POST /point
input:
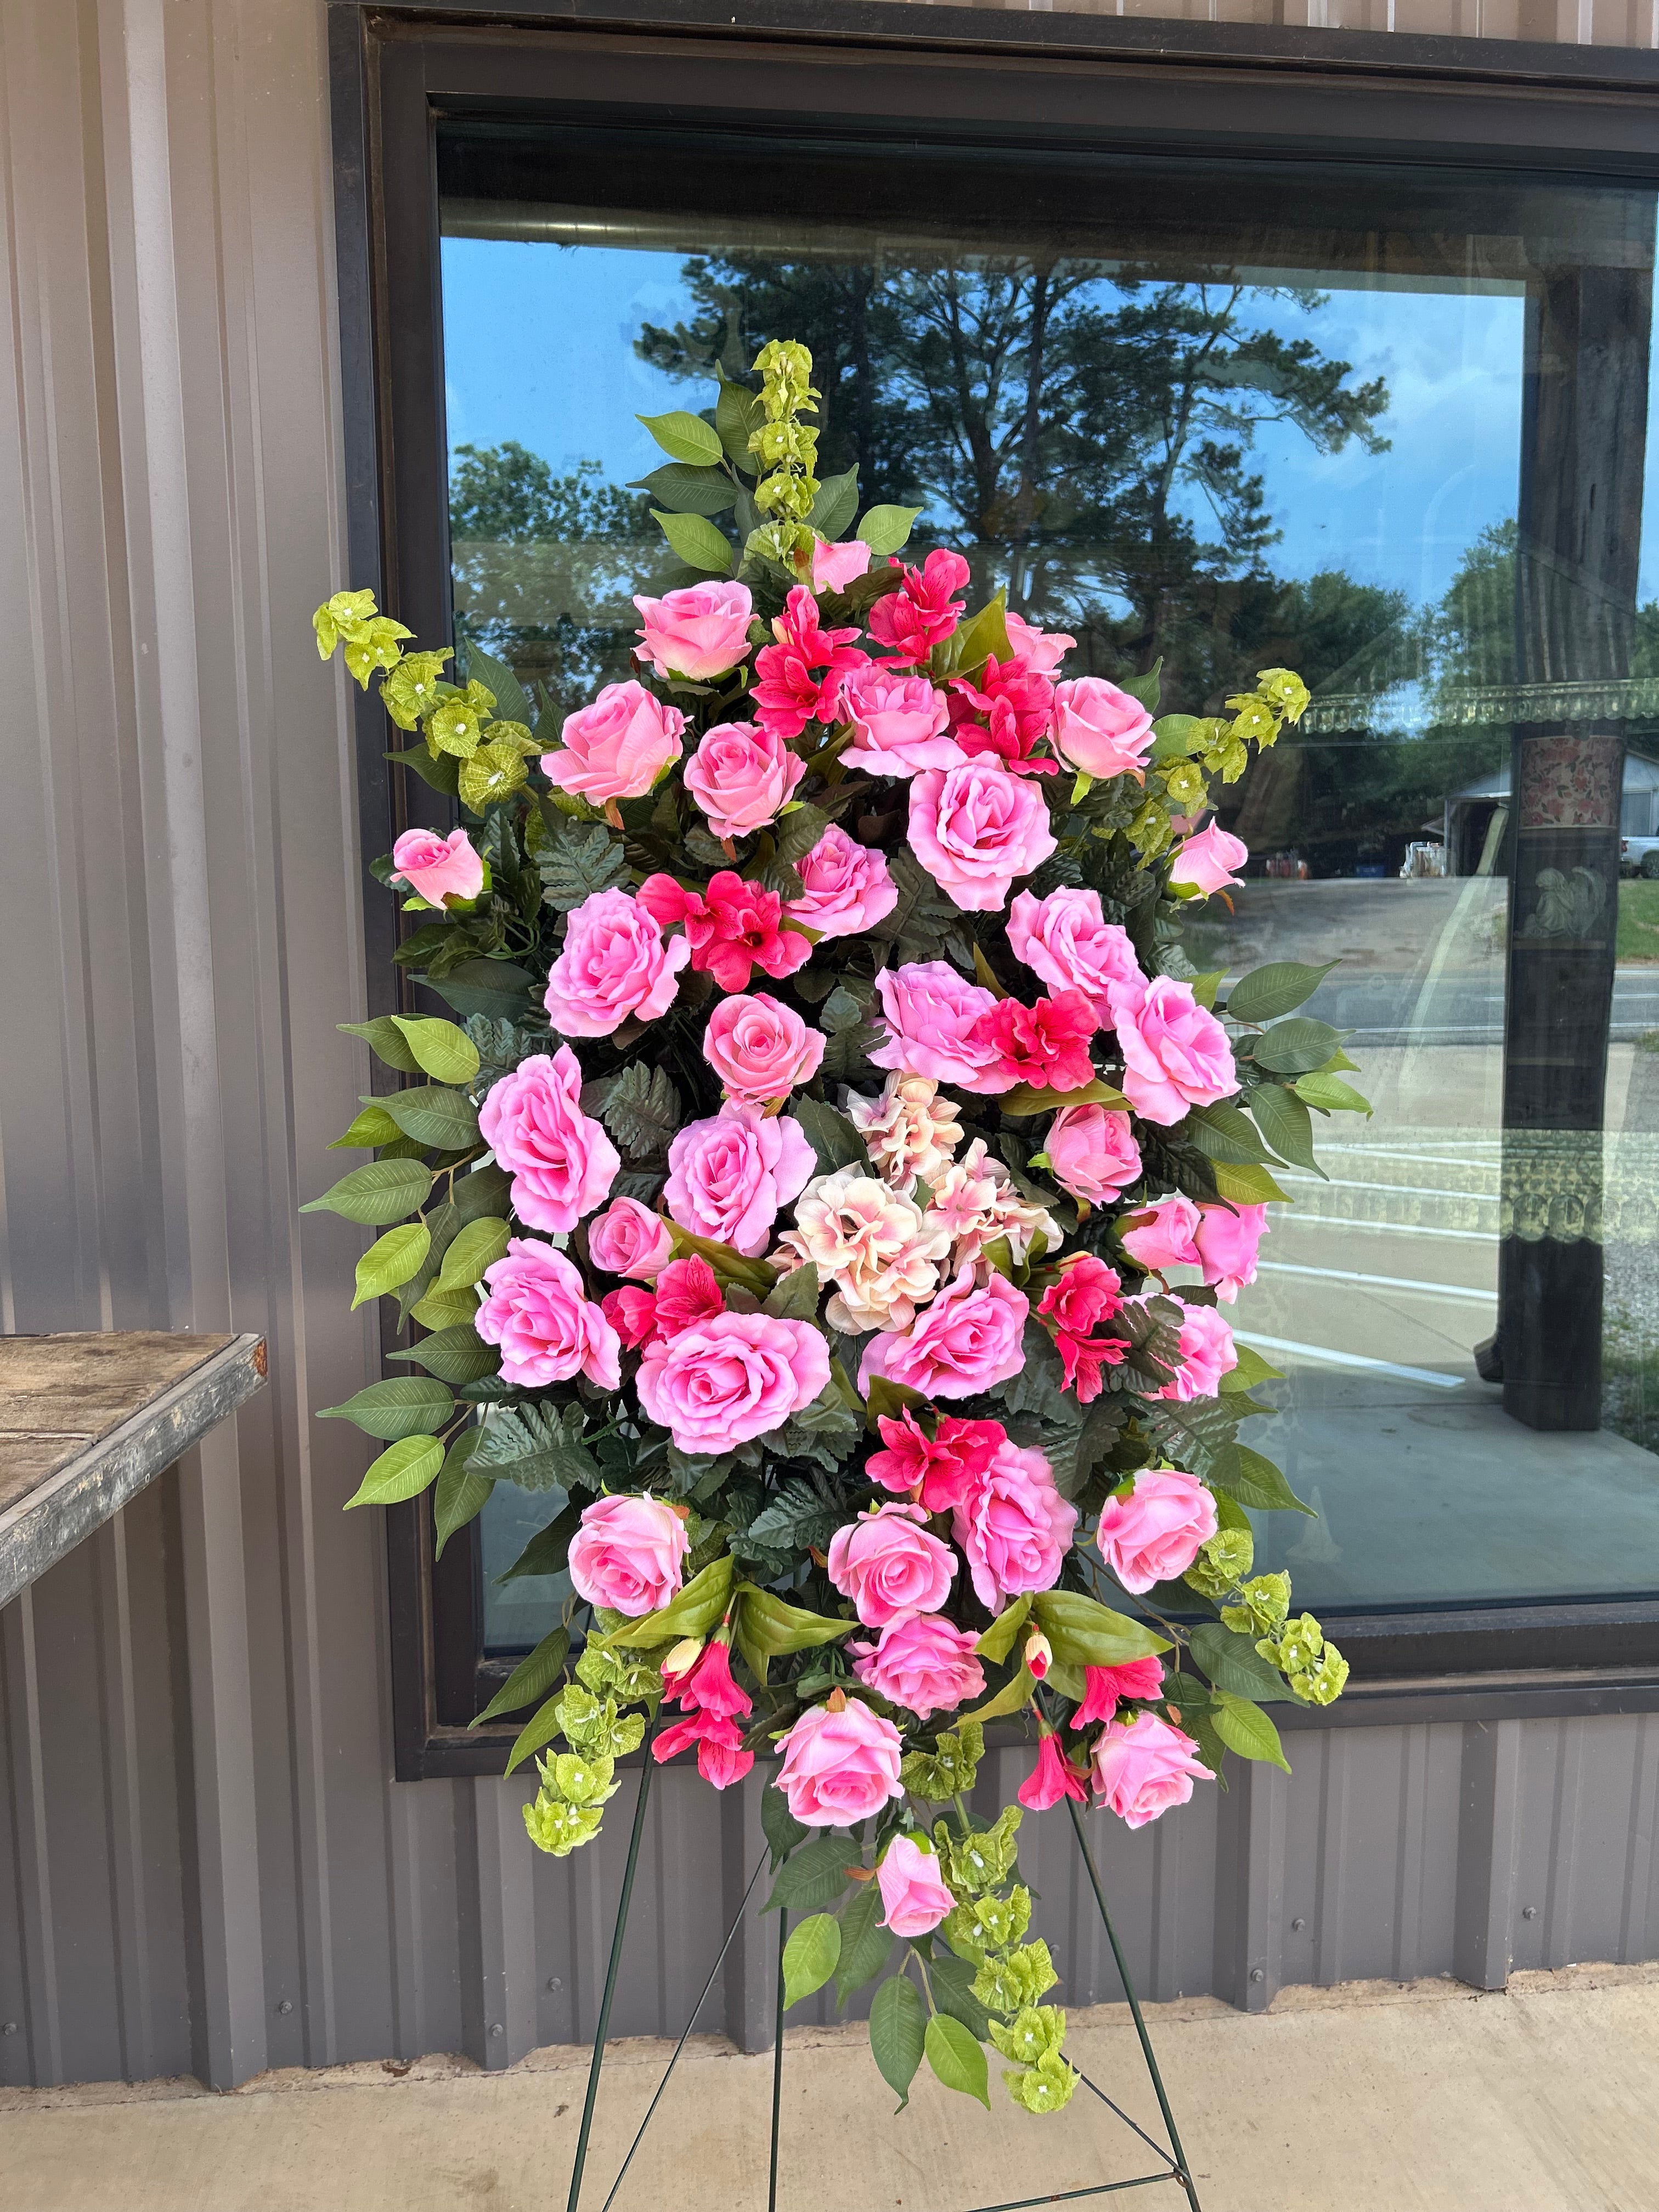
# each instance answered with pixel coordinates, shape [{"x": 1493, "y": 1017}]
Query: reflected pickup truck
[{"x": 1638, "y": 856}]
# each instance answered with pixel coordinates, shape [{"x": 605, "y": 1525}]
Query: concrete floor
[{"x": 1371, "y": 2098}]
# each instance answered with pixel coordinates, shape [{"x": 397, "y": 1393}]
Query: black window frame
[{"x": 1035, "y": 78}]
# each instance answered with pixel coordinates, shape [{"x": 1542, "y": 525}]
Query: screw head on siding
[
  {"x": 496, "y": 2028},
  {"x": 1529, "y": 1912},
  {"x": 1258, "y": 1973},
  {"x": 9, "y": 2027},
  {"x": 1297, "y": 1927},
  {"x": 287, "y": 2005},
  {"x": 554, "y": 1983}
]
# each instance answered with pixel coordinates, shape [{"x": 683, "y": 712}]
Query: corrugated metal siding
[{"x": 204, "y": 1865}]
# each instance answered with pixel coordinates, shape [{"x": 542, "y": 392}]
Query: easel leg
[
  {"x": 634, "y": 1840},
  {"x": 777, "y": 2065}
]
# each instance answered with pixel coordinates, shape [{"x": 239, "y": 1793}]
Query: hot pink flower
[
  {"x": 562, "y": 1163},
  {"x": 1175, "y": 1053},
  {"x": 1067, "y": 940},
  {"x": 846, "y": 888},
  {"x": 932, "y": 1015},
  {"x": 835, "y": 567},
  {"x": 1046, "y": 1045},
  {"x": 618, "y": 747},
  {"x": 759, "y": 1048},
  {"x": 1042, "y": 650},
  {"x": 721, "y": 1382},
  {"x": 1206, "y": 1354},
  {"x": 914, "y": 1897},
  {"x": 924, "y": 611},
  {"x": 707, "y": 1685},
  {"x": 1162, "y": 1235},
  {"x": 1143, "y": 1767},
  {"x": 1053, "y": 1779},
  {"x": 1092, "y": 1152},
  {"x": 942, "y": 1467},
  {"x": 901, "y": 722},
  {"x": 800, "y": 676},
  {"x": 975, "y": 828},
  {"x": 438, "y": 868},
  {"x": 632, "y": 1313},
  {"x": 1100, "y": 730},
  {"x": 1105, "y": 1686},
  {"x": 1227, "y": 1244},
  {"x": 1154, "y": 1534},
  {"x": 628, "y": 1239},
  {"x": 839, "y": 1767},
  {"x": 1013, "y": 1527},
  {"x": 741, "y": 776},
  {"x": 1086, "y": 1292},
  {"x": 628, "y": 1555},
  {"x": 886, "y": 1562},
  {"x": 921, "y": 1662},
  {"x": 688, "y": 1291},
  {"x": 614, "y": 964},
  {"x": 721, "y": 1760},
  {"x": 728, "y": 1176},
  {"x": 732, "y": 926},
  {"x": 1006, "y": 713},
  {"x": 697, "y": 632},
  {"x": 1204, "y": 862},
  {"x": 535, "y": 1307},
  {"x": 968, "y": 1340}
]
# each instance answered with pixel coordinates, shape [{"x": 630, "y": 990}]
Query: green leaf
[
  {"x": 384, "y": 1191},
  {"x": 1144, "y": 687},
  {"x": 1205, "y": 986},
  {"x": 697, "y": 540},
  {"x": 1252, "y": 1369},
  {"x": 737, "y": 413},
  {"x": 1022, "y": 1100},
  {"x": 495, "y": 988},
  {"x": 1085, "y": 1633},
  {"x": 406, "y": 1407},
  {"x": 982, "y": 635},
  {"x": 372, "y": 1127},
  {"x": 443, "y": 1309},
  {"x": 538, "y": 1448},
  {"x": 576, "y": 859},
  {"x": 813, "y": 1873},
  {"x": 444, "y": 1053},
  {"x": 957, "y": 2058},
  {"x": 1279, "y": 988},
  {"x": 890, "y": 1399},
  {"x": 782, "y": 1829},
  {"x": 898, "y": 2030},
  {"x": 1296, "y": 1047},
  {"x": 1261, "y": 1485},
  {"x": 1328, "y": 1092},
  {"x": 387, "y": 1041},
  {"x": 455, "y": 1355},
  {"x": 688, "y": 490},
  {"x": 866, "y": 1945},
  {"x": 1284, "y": 1123},
  {"x": 532, "y": 1679},
  {"x": 459, "y": 1496},
  {"x": 795, "y": 1296},
  {"x": 809, "y": 1956},
  {"x": 886, "y": 529},
  {"x": 402, "y": 1471},
  {"x": 1176, "y": 735},
  {"x": 684, "y": 437},
  {"x": 697, "y": 1609},
  {"x": 1245, "y": 1728},
  {"x": 951, "y": 1980},
  {"x": 835, "y": 504},
  {"x": 766, "y": 1627},
  {"x": 548, "y": 1552},
  {"x": 1012, "y": 1697},
  {"x": 391, "y": 1259},
  {"x": 998, "y": 1640},
  {"x": 480, "y": 1191},
  {"x": 478, "y": 1246},
  {"x": 434, "y": 1115},
  {"x": 511, "y": 703},
  {"x": 1246, "y": 1185},
  {"x": 1233, "y": 1663},
  {"x": 831, "y": 1135},
  {"x": 1224, "y": 1133},
  {"x": 642, "y": 1111},
  {"x": 537, "y": 1732},
  {"x": 442, "y": 774}
]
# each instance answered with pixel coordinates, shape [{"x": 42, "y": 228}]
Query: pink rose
[
  {"x": 723, "y": 1380},
  {"x": 1014, "y": 1527},
  {"x": 1104, "y": 1686},
  {"x": 1092, "y": 1152},
  {"x": 1175, "y": 1053},
  {"x": 840, "y": 1768},
  {"x": 1154, "y": 1534},
  {"x": 760, "y": 1049},
  {"x": 921, "y": 1662},
  {"x": 1067, "y": 940},
  {"x": 1204, "y": 862},
  {"x": 1227, "y": 1242},
  {"x": 628, "y": 1555},
  {"x": 968, "y": 1340},
  {"x": 741, "y": 776},
  {"x": 932, "y": 1015},
  {"x": 835, "y": 567},
  {"x": 618, "y": 747},
  {"x": 1164, "y": 1236},
  {"x": 886, "y": 1562},
  {"x": 976, "y": 828},
  {"x": 438, "y": 868},
  {"x": 697, "y": 632},
  {"x": 914, "y": 1898},
  {"x": 628, "y": 1239},
  {"x": 845, "y": 887},
  {"x": 1143, "y": 1767},
  {"x": 1206, "y": 1354},
  {"x": 562, "y": 1163},
  {"x": 1041, "y": 651},
  {"x": 728, "y": 1176},
  {"x": 901, "y": 722},
  {"x": 535, "y": 1307},
  {"x": 614, "y": 963},
  {"x": 1100, "y": 730}
]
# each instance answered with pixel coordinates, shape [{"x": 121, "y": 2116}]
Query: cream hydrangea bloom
[
  {"x": 977, "y": 1200},
  {"x": 910, "y": 1131},
  {"x": 875, "y": 1245}
]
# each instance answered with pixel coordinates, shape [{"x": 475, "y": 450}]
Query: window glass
[{"x": 1385, "y": 427}]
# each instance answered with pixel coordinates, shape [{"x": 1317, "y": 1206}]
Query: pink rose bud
[
  {"x": 1101, "y": 731},
  {"x": 967, "y": 1342},
  {"x": 1154, "y": 1534},
  {"x": 1175, "y": 1053},
  {"x": 840, "y": 1766},
  {"x": 741, "y": 776},
  {"x": 901, "y": 723},
  {"x": 1162, "y": 1236},
  {"x": 1053, "y": 1779},
  {"x": 835, "y": 567},
  {"x": 1226, "y": 1242},
  {"x": 628, "y": 1239},
  {"x": 1067, "y": 940},
  {"x": 618, "y": 747},
  {"x": 616, "y": 966},
  {"x": 1039, "y": 1655},
  {"x": 1143, "y": 1767},
  {"x": 1013, "y": 1526},
  {"x": 535, "y": 1307},
  {"x": 1204, "y": 863},
  {"x": 846, "y": 889},
  {"x": 628, "y": 1555},
  {"x": 729, "y": 1175},
  {"x": 1041, "y": 651},
  {"x": 976, "y": 828},
  {"x": 438, "y": 868},
  {"x": 921, "y": 1662},
  {"x": 932, "y": 1016},
  {"x": 1105, "y": 1686},
  {"x": 737, "y": 1376},
  {"x": 698, "y": 632},
  {"x": 1092, "y": 1152},
  {"x": 561, "y": 1160},
  {"x": 1206, "y": 1354},
  {"x": 914, "y": 1898},
  {"x": 888, "y": 1564},
  {"x": 759, "y": 1048}
]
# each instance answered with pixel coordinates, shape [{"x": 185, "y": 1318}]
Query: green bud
[
  {"x": 1284, "y": 690},
  {"x": 949, "y": 1769},
  {"x": 374, "y": 646},
  {"x": 619, "y": 1674},
  {"x": 559, "y": 1828},
  {"x": 410, "y": 690},
  {"x": 1000, "y": 1921},
  {"x": 961, "y": 1931},
  {"x": 1222, "y": 1563},
  {"x": 1299, "y": 1647},
  {"x": 1031, "y": 2034},
  {"x": 1266, "y": 1602},
  {"x": 343, "y": 616},
  {"x": 980, "y": 1862},
  {"x": 1044, "y": 2087},
  {"x": 596, "y": 1729},
  {"x": 456, "y": 724},
  {"x": 1008, "y": 1984},
  {"x": 1149, "y": 830},
  {"x": 1183, "y": 780},
  {"x": 494, "y": 772},
  {"x": 1253, "y": 721},
  {"x": 1324, "y": 1684}
]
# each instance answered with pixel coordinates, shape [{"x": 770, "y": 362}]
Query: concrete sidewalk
[{"x": 1371, "y": 2098}]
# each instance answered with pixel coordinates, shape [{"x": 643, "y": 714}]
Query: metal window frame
[{"x": 1035, "y": 78}]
